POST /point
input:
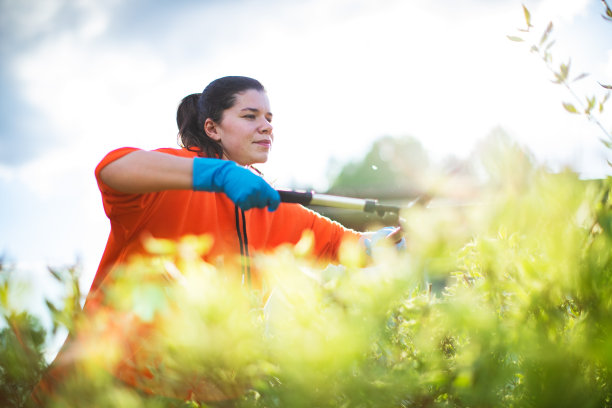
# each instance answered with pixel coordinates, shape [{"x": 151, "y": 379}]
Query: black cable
[
  {"x": 239, "y": 238},
  {"x": 246, "y": 248}
]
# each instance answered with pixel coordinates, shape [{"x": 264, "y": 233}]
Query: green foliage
[
  {"x": 21, "y": 360},
  {"x": 64, "y": 316},
  {"x": 527, "y": 317},
  {"x": 21, "y": 347}
]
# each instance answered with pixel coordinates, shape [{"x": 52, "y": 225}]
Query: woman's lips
[{"x": 264, "y": 143}]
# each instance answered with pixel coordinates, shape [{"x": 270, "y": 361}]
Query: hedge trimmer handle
[{"x": 296, "y": 197}]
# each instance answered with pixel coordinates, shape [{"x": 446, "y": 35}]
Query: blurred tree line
[{"x": 400, "y": 171}]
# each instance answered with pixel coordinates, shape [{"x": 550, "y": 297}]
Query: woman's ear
[{"x": 210, "y": 128}]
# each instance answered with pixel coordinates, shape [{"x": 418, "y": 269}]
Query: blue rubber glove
[
  {"x": 370, "y": 239},
  {"x": 245, "y": 189}
]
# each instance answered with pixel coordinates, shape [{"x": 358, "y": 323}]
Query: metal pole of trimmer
[
  {"x": 326, "y": 200},
  {"x": 347, "y": 203}
]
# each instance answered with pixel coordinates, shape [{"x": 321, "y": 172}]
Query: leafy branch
[{"x": 589, "y": 106}]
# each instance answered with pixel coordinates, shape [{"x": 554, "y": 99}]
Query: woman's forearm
[{"x": 147, "y": 171}]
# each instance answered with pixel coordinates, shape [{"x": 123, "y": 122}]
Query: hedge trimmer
[
  {"x": 347, "y": 203},
  {"x": 326, "y": 200}
]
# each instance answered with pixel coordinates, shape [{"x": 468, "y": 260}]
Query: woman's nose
[{"x": 266, "y": 127}]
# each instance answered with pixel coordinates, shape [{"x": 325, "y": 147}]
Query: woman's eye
[{"x": 249, "y": 116}]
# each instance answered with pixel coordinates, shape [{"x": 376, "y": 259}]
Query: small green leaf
[
  {"x": 605, "y": 86},
  {"x": 534, "y": 49},
  {"x": 546, "y": 33},
  {"x": 51, "y": 306},
  {"x": 590, "y": 105},
  {"x": 55, "y": 274},
  {"x": 606, "y": 143},
  {"x": 603, "y": 101},
  {"x": 548, "y": 57},
  {"x": 565, "y": 68},
  {"x": 515, "y": 38},
  {"x": 527, "y": 16},
  {"x": 4, "y": 292},
  {"x": 550, "y": 44},
  {"x": 581, "y": 76},
  {"x": 569, "y": 107}
]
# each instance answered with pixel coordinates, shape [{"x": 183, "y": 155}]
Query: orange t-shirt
[{"x": 172, "y": 214}]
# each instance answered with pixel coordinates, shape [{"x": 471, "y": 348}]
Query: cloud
[
  {"x": 26, "y": 28},
  {"x": 26, "y": 24}
]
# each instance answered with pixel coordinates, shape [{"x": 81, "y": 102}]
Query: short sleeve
[{"x": 116, "y": 202}]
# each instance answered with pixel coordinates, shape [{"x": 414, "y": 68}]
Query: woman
[
  {"x": 208, "y": 186},
  {"x": 205, "y": 187}
]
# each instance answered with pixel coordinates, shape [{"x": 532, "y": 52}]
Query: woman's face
[{"x": 245, "y": 132}]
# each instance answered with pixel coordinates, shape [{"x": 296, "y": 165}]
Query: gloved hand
[
  {"x": 245, "y": 189},
  {"x": 370, "y": 239}
]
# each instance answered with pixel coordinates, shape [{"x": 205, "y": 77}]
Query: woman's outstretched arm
[
  {"x": 144, "y": 171},
  {"x": 149, "y": 171}
]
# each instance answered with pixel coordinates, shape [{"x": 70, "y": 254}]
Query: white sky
[{"x": 92, "y": 75}]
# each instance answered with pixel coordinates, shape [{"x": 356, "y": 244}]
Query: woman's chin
[{"x": 260, "y": 158}]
